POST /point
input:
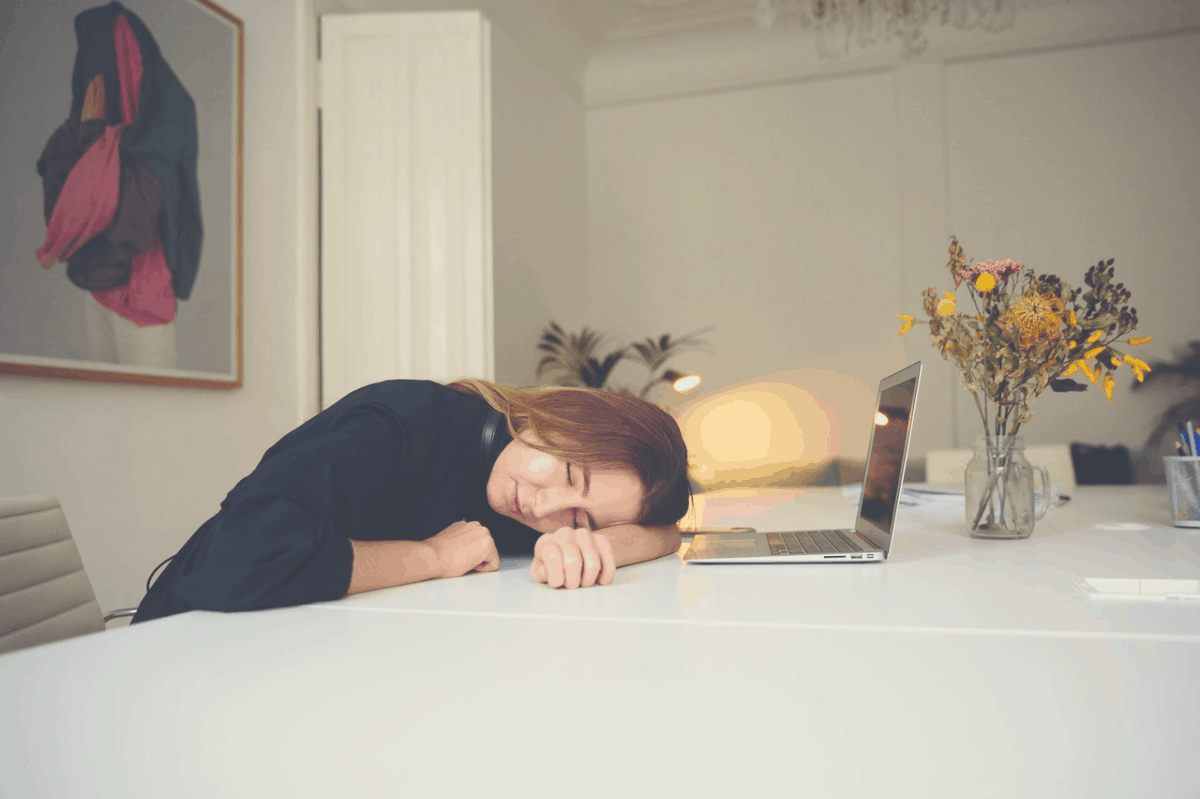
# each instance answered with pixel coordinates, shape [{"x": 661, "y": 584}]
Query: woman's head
[{"x": 602, "y": 436}]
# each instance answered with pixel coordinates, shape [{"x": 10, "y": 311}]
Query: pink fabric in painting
[
  {"x": 148, "y": 298},
  {"x": 88, "y": 200},
  {"x": 90, "y": 196}
]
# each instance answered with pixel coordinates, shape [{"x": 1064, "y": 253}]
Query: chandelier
[{"x": 838, "y": 23}]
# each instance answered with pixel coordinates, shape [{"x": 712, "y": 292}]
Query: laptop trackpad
[{"x": 730, "y": 546}]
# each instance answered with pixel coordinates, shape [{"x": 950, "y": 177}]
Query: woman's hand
[
  {"x": 463, "y": 547},
  {"x": 573, "y": 558}
]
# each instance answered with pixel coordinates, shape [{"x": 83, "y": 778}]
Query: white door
[{"x": 406, "y": 252}]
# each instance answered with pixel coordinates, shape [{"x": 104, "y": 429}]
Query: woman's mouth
[{"x": 516, "y": 502}]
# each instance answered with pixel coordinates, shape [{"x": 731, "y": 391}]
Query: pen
[{"x": 1191, "y": 437}]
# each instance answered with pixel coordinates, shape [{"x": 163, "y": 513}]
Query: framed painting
[{"x": 122, "y": 209}]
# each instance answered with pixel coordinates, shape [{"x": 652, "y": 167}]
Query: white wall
[
  {"x": 539, "y": 206},
  {"x": 1087, "y": 153},
  {"x": 139, "y": 468},
  {"x": 798, "y": 205}
]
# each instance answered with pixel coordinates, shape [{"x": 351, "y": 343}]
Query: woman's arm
[
  {"x": 633, "y": 543},
  {"x": 460, "y": 548},
  {"x": 575, "y": 558}
]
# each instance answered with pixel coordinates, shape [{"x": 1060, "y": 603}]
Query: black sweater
[{"x": 394, "y": 461}]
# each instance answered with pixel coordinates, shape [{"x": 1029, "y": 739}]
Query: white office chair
[
  {"x": 947, "y": 465},
  {"x": 45, "y": 594}
]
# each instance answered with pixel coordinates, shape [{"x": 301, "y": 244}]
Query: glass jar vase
[{"x": 999, "y": 489}]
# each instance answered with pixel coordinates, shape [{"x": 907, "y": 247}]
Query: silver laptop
[{"x": 871, "y": 538}]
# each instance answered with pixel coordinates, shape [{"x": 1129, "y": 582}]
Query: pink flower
[{"x": 997, "y": 269}]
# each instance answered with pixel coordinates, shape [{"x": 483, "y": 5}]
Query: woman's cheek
[{"x": 550, "y": 525}]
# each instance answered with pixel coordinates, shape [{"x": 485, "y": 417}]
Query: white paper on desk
[
  {"x": 933, "y": 499},
  {"x": 1128, "y": 589},
  {"x": 940, "y": 500}
]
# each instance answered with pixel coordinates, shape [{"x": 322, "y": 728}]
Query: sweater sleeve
[{"x": 283, "y": 534}]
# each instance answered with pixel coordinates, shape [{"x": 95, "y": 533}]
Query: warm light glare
[
  {"x": 736, "y": 431},
  {"x": 686, "y": 383},
  {"x": 779, "y": 427},
  {"x": 880, "y": 419}
]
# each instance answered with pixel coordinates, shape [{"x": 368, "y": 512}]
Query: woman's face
[{"x": 546, "y": 492}]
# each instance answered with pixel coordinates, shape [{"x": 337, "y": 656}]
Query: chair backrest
[
  {"x": 1057, "y": 460},
  {"x": 947, "y": 465},
  {"x": 1100, "y": 465},
  {"x": 45, "y": 594}
]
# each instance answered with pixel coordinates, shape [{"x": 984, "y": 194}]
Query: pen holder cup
[{"x": 1183, "y": 476}]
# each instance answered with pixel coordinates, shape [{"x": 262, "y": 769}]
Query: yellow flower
[
  {"x": 1138, "y": 362},
  {"x": 1072, "y": 369},
  {"x": 1071, "y": 318},
  {"x": 1087, "y": 370},
  {"x": 1133, "y": 342},
  {"x": 1115, "y": 363},
  {"x": 1139, "y": 367},
  {"x": 1035, "y": 316},
  {"x": 908, "y": 323},
  {"x": 946, "y": 307},
  {"x": 1093, "y": 352},
  {"x": 1092, "y": 339},
  {"x": 985, "y": 282},
  {"x": 1072, "y": 345},
  {"x": 1108, "y": 385}
]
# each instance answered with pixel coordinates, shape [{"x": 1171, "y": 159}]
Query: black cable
[{"x": 150, "y": 579}]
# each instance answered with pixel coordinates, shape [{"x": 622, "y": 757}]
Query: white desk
[
  {"x": 656, "y": 685},
  {"x": 937, "y": 577}
]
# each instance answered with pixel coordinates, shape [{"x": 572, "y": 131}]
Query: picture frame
[{"x": 57, "y": 318}]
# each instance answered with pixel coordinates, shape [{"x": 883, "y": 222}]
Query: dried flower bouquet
[{"x": 1026, "y": 332}]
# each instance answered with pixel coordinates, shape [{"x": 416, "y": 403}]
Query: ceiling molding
[
  {"x": 625, "y": 20},
  {"x": 723, "y": 59},
  {"x": 554, "y": 34},
  {"x": 605, "y": 52}
]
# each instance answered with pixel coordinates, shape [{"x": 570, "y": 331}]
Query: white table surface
[
  {"x": 936, "y": 578},
  {"x": 677, "y": 680},
  {"x": 312, "y": 703}
]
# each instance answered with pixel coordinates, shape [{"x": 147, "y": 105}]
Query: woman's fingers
[
  {"x": 537, "y": 570},
  {"x": 553, "y": 561},
  {"x": 590, "y": 555},
  {"x": 491, "y": 557},
  {"x": 572, "y": 561},
  {"x": 573, "y": 558},
  {"x": 465, "y": 546}
]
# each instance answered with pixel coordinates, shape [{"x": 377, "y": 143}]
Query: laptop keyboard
[{"x": 811, "y": 541}]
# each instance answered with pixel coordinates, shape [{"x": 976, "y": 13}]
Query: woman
[{"x": 403, "y": 481}]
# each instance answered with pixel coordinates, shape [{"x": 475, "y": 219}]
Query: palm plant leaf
[
  {"x": 573, "y": 357},
  {"x": 654, "y": 353},
  {"x": 1184, "y": 370}
]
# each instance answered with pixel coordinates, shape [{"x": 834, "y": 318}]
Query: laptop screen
[{"x": 888, "y": 454}]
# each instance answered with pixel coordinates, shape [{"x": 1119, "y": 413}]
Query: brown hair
[{"x": 604, "y": 429}]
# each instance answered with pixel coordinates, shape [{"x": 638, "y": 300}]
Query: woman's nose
[{"x": 550, "y": 501}]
